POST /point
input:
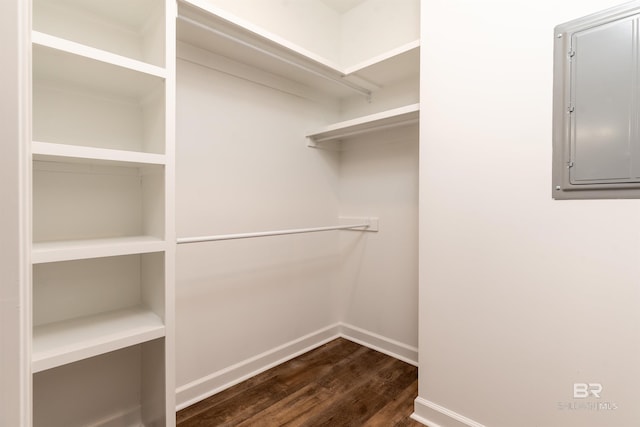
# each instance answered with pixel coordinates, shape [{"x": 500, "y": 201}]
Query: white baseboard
[
  {"x": 433, "y": 415},
  {"x": 130, "y": 417},
  {"x": 202, "y": 388},
  {"x": 379, "y": 343}
]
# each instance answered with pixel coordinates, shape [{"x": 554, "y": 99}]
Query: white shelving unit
[{"x": 103, "y": 239}]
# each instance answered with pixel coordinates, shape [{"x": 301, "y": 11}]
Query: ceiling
[{"x": 342, "y": 6}]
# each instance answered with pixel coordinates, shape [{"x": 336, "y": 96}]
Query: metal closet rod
[
  {"x": 335, "y": 79},
  {"x": 219, "y": 237}
]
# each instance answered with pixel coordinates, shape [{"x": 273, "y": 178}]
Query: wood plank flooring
[{"x": 338, "y": 384}]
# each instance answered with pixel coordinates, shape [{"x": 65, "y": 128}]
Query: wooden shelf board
[
  {"x": 68, "y": 341},
  {"x": 47, "y": 151},
  {"x": 68, "y": 250},
  {"x": 392, "y": 118}
]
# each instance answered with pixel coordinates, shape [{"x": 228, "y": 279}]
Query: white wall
[
  {"x": 13, "y": 373},
  {"x": 521, "y": 296},
  {"x": 379, "y": 292},
  {"x": 243, "y": 165}
]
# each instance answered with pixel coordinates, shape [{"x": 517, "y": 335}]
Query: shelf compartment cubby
[
  {"x": 77, "y": 201},
  {"x": 88, "y": 307},
  {"x": 123, "y": 387},
  {"x": 78, "y": 100},
  {"x": 131, "y": 29}
]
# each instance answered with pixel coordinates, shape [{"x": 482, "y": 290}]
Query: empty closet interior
[
  {"x": 157, "y": 120},
  {"x": 292, "y": 115}
]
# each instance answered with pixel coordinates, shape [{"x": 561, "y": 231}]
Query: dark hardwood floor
[{"x": 338, "y": 384}]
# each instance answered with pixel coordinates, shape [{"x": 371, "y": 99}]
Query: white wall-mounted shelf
[
  {"x": 72, "y": 340},
  {"x": 202, "y": 25},
  {"x": 207, "y": 27},
  {"x": 46, "y": 151},
  {"x": 397, "y": 117},
  {"x": 397, "y": 64},
  {"x": 95, "y": 248}
]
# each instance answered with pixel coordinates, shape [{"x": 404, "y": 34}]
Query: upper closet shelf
[
  {"x": 46, "y": 151},
  {"x": 207, "y": 27},
  {"x": 397, "y": 117},
  {"x": 116, "y": 76},
  {"x": 397, "y": 64},
  {"x": 70, "y": 47}
]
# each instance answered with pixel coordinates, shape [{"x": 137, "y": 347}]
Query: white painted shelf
[
  {"x": 403, "y": 116},
  {"x": 95, "y": 248},
  {"x": 46, "y": 151},
  {"x": 68, "y": 341},
  {"x": 398, "y": 64},
  {"x": 205, "y": 26},
  {"x": 66, "y": 63},
  {"x": 73, "y": 48}
]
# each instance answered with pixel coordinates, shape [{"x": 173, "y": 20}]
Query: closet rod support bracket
[{"x": 373, "y": 223}]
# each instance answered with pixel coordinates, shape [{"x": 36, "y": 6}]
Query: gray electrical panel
[{"x": 596, "y": 117}]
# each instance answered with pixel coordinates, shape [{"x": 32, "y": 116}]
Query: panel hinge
[
  {"x": 570, "y": 164},
  {"x": 571, "y": 109},
  {"x": 571, "y": 54}
]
